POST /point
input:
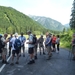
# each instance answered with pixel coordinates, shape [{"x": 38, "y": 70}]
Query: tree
[
  {"x": 72, "y": 20},
  {"x": 64, "y": 30}
]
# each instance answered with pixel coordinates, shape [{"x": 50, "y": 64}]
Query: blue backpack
[{"x": 17, "y": 44}]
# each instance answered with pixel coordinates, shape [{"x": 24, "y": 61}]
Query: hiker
[
  {"x": 15, "y": 49},
  {"x": 73, "y": 46},
  {"x": 4, "y": 48},
  {"x": 54, "y": 43},
  {"x": 10, "y": 44},
  {"x": 40, "y": 42},
  {"x": 30, "y": 47},
  {"x": 22, "y": 39},
  {"x": 35, "y": 47},
  {"x": 57, "y": 43},
  {"x": 48, "y": 42},
  {"x": 0, "y": 47}
]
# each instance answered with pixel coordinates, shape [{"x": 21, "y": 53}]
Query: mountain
[
  {"x": 48, "y": 23},
  {"x": 67, "y": 25},
  {"x": 12, "y": 21}
]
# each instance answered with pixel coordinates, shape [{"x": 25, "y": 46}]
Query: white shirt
[
  {"x": 13, "y": 41},
  {"x": 30, "y": 40}
]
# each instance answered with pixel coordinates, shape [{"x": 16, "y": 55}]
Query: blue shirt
[
  {"x": 22, "y": 39},
  {"x": 48, "y": 41}
]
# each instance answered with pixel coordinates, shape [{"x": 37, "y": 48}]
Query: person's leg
[
  {"x": 49, "y": 52},
  {"x": 35, "y": 52},
  {"x": 43, "y": 49},
  {"x": 57, "y": 48},
  {"x": 23, "y": 51},
  {"x": 12, "y": 58},
  {"x": 54, "y": 49},
  {"x": 40, "y": 49},
  {"x": 4, "y": 53},
  {"x": 9, "y": 50},
  {"x": 17, "y": 52},
  {"x": 31, "y": 52},
  {"x": 73, "y": 51}
]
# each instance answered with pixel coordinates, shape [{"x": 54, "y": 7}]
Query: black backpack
[{"x": 34, "y": 40}]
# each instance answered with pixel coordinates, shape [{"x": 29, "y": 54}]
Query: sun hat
[{"x": 16, "y": 34}]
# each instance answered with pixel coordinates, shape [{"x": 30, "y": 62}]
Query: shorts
[
  {"x": 4, "y": 51},
  {"x": 31, "y": 50},
  {"x": 48, "y": 49},
  {"x": 15, "y": 52},
  {"x": 41, "y": 45}
]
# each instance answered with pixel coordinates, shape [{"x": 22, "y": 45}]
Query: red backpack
[{"x": 54, "y": 40}]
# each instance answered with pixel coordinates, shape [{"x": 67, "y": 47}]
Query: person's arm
[
  {"x": 5, "y": 41},
  {"x": 49, "y": 39}
]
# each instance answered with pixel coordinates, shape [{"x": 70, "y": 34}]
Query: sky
[{"x": 59, "y": 10}]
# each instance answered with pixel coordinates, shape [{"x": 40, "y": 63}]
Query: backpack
[
  {"x": 2, "y": 44},
  {"x": 17, "y": 44},
  {"x": 54, "y": 40},
  {"x": 34, "y": 40},
  {"x": 41, "y": 40}
]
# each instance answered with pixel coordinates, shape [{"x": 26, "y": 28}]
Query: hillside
[
  {"x": 67, "y": 25},
  {"x": 12, "y": 21},
  {"x": 48, "y": 23}
]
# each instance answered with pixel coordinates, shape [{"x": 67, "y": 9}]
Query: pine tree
[{"x": 72, "y": 20}]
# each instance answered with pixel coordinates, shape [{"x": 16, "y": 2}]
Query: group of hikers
[{"x": 17, "y": 43}]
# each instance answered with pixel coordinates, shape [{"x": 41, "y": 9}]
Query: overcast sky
[{"x": 59, "y": 10}]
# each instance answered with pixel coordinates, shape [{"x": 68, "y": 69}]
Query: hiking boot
[
  {"x": 5, "y": 62},
  {"x": 31, "y": 62},
  {"x": 53, "y": 51},
  {"x": 40, "y": 53},
  {"x": 74, "y": 58},
  {"x": 12, "y": 64},
  {"x": 43, "y": 53},
  {"x": 50, "y": 55},
  {"x": 23, "y": 55},
  {"x": 20, "y": 55},
  {"x": 17, "y": 62},
  {"x": 2, "y": 61},
  {"x": 35, "y": 57},
  {"x": 48, "y": 58}
]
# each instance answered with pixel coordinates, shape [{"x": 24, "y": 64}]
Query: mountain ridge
[
  {"x": 11, "y": 21},
  {"x": 48, "y": 22}
]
